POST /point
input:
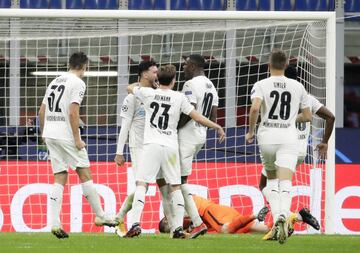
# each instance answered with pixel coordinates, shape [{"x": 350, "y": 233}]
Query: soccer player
[
  {"x": 163, "y": 107},
  {"x": 59, "y": 124},
  {"x": 201, "y": 93},
  {"x": 303, "y": 134},
  {"x": 279, "y": 99},
  {"x": 225, "y": 219},
  {"x": 222, "y": 219},
  {"x": 132, "y": 128}
]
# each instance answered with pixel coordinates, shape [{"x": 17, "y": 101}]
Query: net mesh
[{"x": 228, "y": 173}]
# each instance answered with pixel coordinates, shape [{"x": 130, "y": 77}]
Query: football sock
[
  {"x": 55, "y": 201},
  {"x": 92, "y": 197},
  {"x": 166, "y": 205},
  {"x": 125, "y": 207},
  {"x": 138, "y": 203},
  {"x": 265, "y": 191},
  {"x": 190, "y": 205},
  {"x": 240, "y": 222},
  {"x": 285, "y": 198},
  {"x": 274, "y": 197},
  {"x": 177, "y": 208}
]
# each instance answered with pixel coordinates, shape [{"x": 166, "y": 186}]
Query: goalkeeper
[{"x": 225, "y": 219}]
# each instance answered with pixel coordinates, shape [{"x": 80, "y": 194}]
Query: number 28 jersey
[
  {"x": 60, "y": 94},
  {"x": 281, "y": 100},
  {"x": 162, "y": 108}
]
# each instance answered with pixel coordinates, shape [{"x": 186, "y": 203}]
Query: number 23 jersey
[
  {"x": 162, "y": 108},
  {"x": 60, "y": 94},
  {"x": 281, "y": 100}
]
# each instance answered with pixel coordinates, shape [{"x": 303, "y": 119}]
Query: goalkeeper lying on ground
[{"x": 224, "y": 219}]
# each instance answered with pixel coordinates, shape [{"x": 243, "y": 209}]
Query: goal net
[{"x": 35, "y": 49}]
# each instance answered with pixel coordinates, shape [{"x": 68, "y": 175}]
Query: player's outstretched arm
[
  {"x": 253, "y": 118},
  {"x": 329, "y": 118},
  {"x": 206, "y": 122},
  {"x": 304, "y": 116},
  {"x": 123, "y": 135},
  {"x": 74, "y": 115}
]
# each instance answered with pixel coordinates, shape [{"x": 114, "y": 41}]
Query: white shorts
[
  {"x": 300, "y": 160},
  {"x": 64, "y": 154},
  {"x": 156, "y": 158},
  {"x": 279, "y": 155},
  {"x": 135, "y": 154},
  {"x": 187, "y": 152}
]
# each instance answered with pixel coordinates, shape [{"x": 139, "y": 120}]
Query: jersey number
[
  {"x": 285, "y": 100},
  {"x": 207, "y": 104},
  {"x": 51, "y": 97},
  {"x": 163, "y": 120}
]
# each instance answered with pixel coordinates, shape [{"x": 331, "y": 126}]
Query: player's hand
[
  {"x": 221, "y": 134},
  {"x": 119, "y": 159},
  {"x": 322, "y": 149},
  {"x": 80, "y": 144},
  {"x": 249, "y": 137}
]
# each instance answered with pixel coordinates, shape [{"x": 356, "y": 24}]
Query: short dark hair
[
  {"x": 198, "y": 60},
  {"x": 166, "y": 74},
  {"x": 145, "y": 66},
  {"x": 278, "y": 59},
  {"x": 78, "y": 60}
]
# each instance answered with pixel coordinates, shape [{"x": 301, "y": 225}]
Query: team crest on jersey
[{"x": 124, "y": 108}]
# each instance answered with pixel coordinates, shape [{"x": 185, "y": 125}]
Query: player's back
[
  {"x": 281, "y": 99},
  {"x": 163, "y": 108},
  {"x": 200, "y": 91},
  {"x": 60, "y": 94}
]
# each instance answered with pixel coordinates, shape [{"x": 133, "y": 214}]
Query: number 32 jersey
[
  {"x": 162, "y": 108},
  {"x": 281, "y": 100},
  {"x": 60, "y": 94}
]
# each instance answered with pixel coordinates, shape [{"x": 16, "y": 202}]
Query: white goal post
[{"x": 228, "y": 35}]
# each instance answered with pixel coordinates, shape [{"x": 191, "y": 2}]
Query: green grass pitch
[{"x": 109, "y": 243}]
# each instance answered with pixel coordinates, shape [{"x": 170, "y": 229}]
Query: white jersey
[
  {"x": 163, "y": 108},
  {"x": 281, "y": 100},
  {"x": 133, "y": 109},
  {"x": 60, "y": 94},
  {"x": 304, "y": 128},
  {"x": 200, "y": 91}
]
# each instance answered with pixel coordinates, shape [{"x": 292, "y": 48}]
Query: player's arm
[
  {"x": 208, "y": 123},
  {"x": 304, "y": 116},
  {"x": 184, "y": 119},
  {"x": 213, "y": 114},
  {"x": 130, "y": 88},
  {"x": 42, "y": 117},
  {"x": 123, "y": 135},
  {"x": 253, "y": 118},
  {"x": 329, "y": 118},
  {"x": 74, "y": 115}
]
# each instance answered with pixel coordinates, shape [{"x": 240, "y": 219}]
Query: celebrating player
[
  {"x": 163, "y": 107},
  {"x": 279, "y": 99},
  {"x": 202, "y": 94},
  {"x": 132, "y": 128},
  {"x": 59, "y": 124}
]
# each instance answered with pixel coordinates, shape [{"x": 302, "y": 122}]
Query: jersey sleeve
[
  {"x": 315, "y": 104},
  {"x": 256, "y": 92},
  {"x": 186, "y": 107},
  {"x": 216, "y": 98},
  {"x": 189, "y": 92},
  {"x": 128, "y": 107},
  {"x": 78, "y": 92},
  {"x": 304, "y": 100}
]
